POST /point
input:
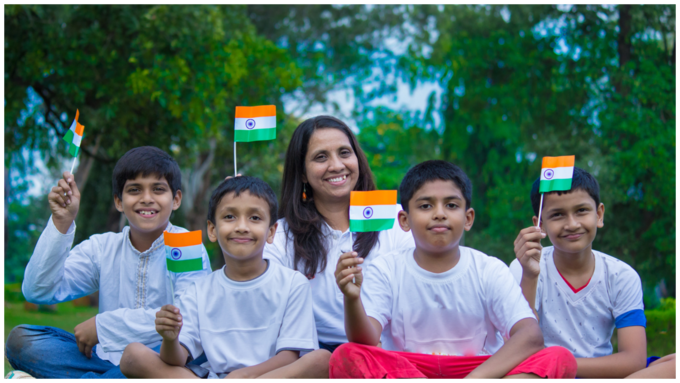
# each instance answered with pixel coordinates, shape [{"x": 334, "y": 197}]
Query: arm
[
  {"x": 283, "y": 358},
  {"x": 360, "y": 328},
  {"x": 528, "y": 252},
  {"x": 525, "y": 340},
  {"x": 168, "y": 325},
  {"x": 632, "y": 357}
]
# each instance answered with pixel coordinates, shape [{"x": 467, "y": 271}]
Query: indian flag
[
  {"x": 184, "y": 251},
  {"x": 556, "y": 173},
  {"x": 255, "y": 123},
  {"x": 372, "y": 210},
  {"x": 74, "y": 136}
]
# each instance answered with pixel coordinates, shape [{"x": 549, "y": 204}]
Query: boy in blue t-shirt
[{"x": 579, "y": 294}]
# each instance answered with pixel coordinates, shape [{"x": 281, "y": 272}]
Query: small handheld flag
[
  {"x": 556, "y": 175},
  {"x": 254, "y": 123},
  {"x": 184, "y": 251},
  {"x": 372, "y": 210},
  {"x": 73, "y": 137}
]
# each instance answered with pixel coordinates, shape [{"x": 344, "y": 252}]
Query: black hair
[
  {"x": 434, "y": 170},
  {"x": 146, "y": 160},
  {"x": 237, "y": 185},
  {"x": 581, "y": 180},
  {"x": 303, "y": 220}
]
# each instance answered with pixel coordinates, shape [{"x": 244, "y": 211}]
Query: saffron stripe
[
  {"x": 374, "y": 197},
  {"x": 195, "y": 264},
  {"x": 254, "y": 135},
  {"x": 558, "y": 162},
  {"x": 370, "y": 225},
  {"x": 555, "y": 185},
  {"x": 255, "y": 111},
  {"x": 191, "y": 238}
]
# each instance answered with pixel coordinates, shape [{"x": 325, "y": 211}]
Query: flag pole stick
[
  {"x": 234, "y": 158},
  {"x": 172, "y": 289},
  {"x": 73, "y": 165},
  {"x": 538, "y": 223}
]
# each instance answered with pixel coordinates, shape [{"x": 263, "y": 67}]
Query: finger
[
  {"x": 344, "y": 281},
  {"x": 65, "y": 187},
  {"x": 167, "y": 322},
  {"x": 350, "y": 262},
  {"x": 170, "y": 308},
  {"x": 74, "y": 187},
  {"x": 529, "y": 249},
  {"x": 167, "y": 328},
  {"x": 59, "y": 200},
  {"x": 81, "y": 346},
  {"x": 344, "y": 273},
  {"x": 88, "y": 352},
  {"x": 169, "y": 315}
]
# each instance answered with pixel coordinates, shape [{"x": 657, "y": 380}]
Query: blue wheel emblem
[
  {"x": 175, "y": 254},
  {"x": 250, "y": 123},
  {"x": 368, "y": 212},
  {"x": 548, "y": 174}
]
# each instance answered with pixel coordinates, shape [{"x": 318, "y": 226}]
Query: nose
[
  {"x": 572, "y": 223},
  {"x": 335, "y": 163},
  {"x": 147, "y": 196},
  {"x": 438, "y": 212},
  {"x": 242, "y": 225}
]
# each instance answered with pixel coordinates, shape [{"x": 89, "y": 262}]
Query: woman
[{"x": 324, "y": 163}]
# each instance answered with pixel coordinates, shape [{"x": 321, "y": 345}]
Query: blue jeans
[{"x": 49, "y": 352}]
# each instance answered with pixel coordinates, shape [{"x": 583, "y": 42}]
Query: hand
[
  {"x": 348, "y": 269},
  {"x": 86, "y": 336},
  {"x": 227, "y": 177},
  {"x": 168, "y": 322},
  {"x": 241, "y": 373},
  {"x": 64, "y": 200},
  {"x": 528, "y": 250}
]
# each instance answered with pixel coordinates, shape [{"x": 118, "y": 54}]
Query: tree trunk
[
  {"x": 196, "y": 182},
  {"x": 5, "y": 210}
]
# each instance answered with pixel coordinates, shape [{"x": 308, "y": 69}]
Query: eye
[
  {"x": 229, "y": 216},
  {"x": 451, "y": 205},
  {"x": 345, "y": 152},
  {"x": 582, "y": 210},
  {"x": 132, "y": 190},
  {"x": 556, "y": 215},
  {"x": 256, "y": 218},
  {"x": 159, "y": 189},
  {"x": 320, "y": 157},
  {"x": 425, "y": 206}
]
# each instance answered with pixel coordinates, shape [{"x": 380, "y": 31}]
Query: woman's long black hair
[{"x": 303, "y": 219}]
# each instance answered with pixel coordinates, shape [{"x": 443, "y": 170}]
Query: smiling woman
[{"x": 324, "y": 164}]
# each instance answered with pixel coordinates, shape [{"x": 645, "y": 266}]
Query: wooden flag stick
[
  {"x": 234, "y": 158},
  {"x": 73, "y": 165},
  {"x": 538, "y": 223}
]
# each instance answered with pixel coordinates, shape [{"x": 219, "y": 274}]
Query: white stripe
[
  {"x": 188, "y": 252},
  {"x": 260, "y": 123},
  {"x": 559, "y": 173},
  {"x": 379, "y": 212},
  {"x": 73, "y": 127},
  {"x": 77, "y": 139}
]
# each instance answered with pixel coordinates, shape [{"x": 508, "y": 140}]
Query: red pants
[{"x": 353, "y": 360}]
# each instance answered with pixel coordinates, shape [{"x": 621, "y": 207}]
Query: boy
[
  {"x": 579, "y": 294},
  {"x": 128, "y": 269},
  {"x": 443, "y": 309},
  {"x": 250, "y": 318}
]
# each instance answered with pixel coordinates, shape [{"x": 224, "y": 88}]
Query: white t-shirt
[
  {"x": 241, "y": 324},
  {"x": 463, "y": 311},
  {"x": 329, "y": 311},
  {"x": 583, "y": 322}
]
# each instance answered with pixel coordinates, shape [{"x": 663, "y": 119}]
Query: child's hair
[
  {"x": 582, "y": 180},
  {"x": 146, "y": 160},
  {"x": 430, "y": 171},
  {"x": 237, "y": 185}
]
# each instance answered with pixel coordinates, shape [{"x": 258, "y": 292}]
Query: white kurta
[{"x": 132, "y": 285}]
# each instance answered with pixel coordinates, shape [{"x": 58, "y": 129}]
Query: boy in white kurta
[
  {"x": 127, "y": 268},
  {"x": 250, "y": 318},
  {"x": 442, "y": 309},
  {"x": 579, "y": 294}
]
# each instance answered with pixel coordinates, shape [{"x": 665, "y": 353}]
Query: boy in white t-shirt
[
  {"x": 443, "y": 309},
  {"x": 250, "y": 318},
  {"x": 579, "y": 294}
]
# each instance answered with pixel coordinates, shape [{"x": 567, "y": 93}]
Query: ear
[
  {"x": 212, "y": 232},
  {"x": 535, "y": 221},
  {"x": 600, "y": 215},
  {"x": 469, "y": 218},
  {"x": 272, "y": 231},
  {"x": 118, "y": 202},
  {"x": 402, "y": 217},
  {"x": 177, "y": 200}
]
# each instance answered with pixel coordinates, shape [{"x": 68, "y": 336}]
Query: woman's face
[{"x": 331, "y": 166}]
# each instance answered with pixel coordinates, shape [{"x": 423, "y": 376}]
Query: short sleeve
[
  {"x": 376, "y": 292},
  {"x": 505, "y": 303},
  {"x": 277, "y": 250},
  {"x": 627, "y": 299},
  {"x": 516, "y": 270},
  {"x": 189, "y": 335},
  {"x": 298, "y": 329}
]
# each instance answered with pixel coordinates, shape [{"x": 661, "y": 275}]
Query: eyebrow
[
  {"x": 427, "y": 198},
  {"x": 249, "y": 210},
  {"x": 163, "y": 183}
]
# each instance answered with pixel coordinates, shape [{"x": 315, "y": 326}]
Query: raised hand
[
  {"x": 528, "y": 250},
  {"x": 348, "y": 269},
  {"x": 64, "y": 200},
  {"x": 168, "y": 322}
]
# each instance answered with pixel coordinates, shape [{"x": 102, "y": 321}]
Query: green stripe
[
  {"x": 186, "y": 265},
  {"x": 68, "y": 137},
  {"x": 555, "y": 185},
  {"x": 73, "y": 149},
  {"x": 370, "y": 224},
  {"x": 254, "y": 135}
]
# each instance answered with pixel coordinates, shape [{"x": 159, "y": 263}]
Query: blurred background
[{"x": 491, "y": 88}]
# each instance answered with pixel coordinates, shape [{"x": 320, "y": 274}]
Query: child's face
[
  {"x": 437, "y": 216},
  {"x": 571, "y": 220},
  {"x": 147, "y": 203},
  {"x": 241, "y": 226}
]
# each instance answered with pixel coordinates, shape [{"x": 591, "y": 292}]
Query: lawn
[{"x": 660, "y": 322}]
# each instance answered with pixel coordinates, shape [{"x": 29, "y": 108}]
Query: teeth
[
  {"x": 338, "y": 179},
  {"x": 146, "y": 212}
]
